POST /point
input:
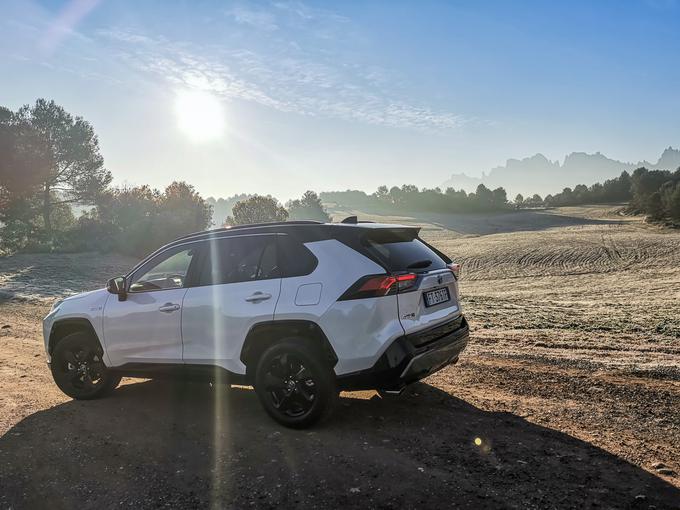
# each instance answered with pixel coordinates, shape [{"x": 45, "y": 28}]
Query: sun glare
[{"x": 200, "y": 115}]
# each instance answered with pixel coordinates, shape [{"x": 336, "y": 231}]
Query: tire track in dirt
[{"x": 557, "y": 253}]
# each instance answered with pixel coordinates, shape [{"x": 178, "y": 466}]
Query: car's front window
[{"x": 167, "y": 271}]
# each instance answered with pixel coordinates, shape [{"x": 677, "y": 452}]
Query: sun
[{"x": 200, "y": 115}]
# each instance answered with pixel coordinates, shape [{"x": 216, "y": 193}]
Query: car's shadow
[{"x": 159, "y": 444}]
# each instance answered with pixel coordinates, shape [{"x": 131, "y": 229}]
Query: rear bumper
[{"x": 412, "y": 357}]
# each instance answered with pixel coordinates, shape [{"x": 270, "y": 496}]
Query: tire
[
  {"x": 294, "y": 385},
  {"x": 78, "y": 369}
]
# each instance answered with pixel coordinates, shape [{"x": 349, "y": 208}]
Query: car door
[
  {"x": 238, "y": 286},
  {"x": 146, "y": 326}
]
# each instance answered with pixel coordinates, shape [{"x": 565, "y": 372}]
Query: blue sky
[{"x": 323, "y": 96}]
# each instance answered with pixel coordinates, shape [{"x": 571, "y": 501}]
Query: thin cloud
[
  {"x": 262, "y": 20},
  {"x": 306, "y": 79}
]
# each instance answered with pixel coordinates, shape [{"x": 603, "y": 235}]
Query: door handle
[
  {"x": 257, "y": 297},
  {"x": 169, "y": 307}
]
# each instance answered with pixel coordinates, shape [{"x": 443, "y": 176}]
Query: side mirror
[{"x": 117, "y": 286}]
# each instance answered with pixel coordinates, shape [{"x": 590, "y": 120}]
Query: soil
[{"x": 567, "y": 397}]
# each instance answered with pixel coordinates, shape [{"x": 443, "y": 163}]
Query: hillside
[{"x": 537, "y": 174}]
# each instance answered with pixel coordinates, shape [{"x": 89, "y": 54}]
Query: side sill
[{"x": 180, "y": 371}]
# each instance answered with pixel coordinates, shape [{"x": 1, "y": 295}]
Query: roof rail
[
  {"x": 200, "y": 233},
  {"x": 275, "y": 223},
  {"x": 249, "y": 225}
]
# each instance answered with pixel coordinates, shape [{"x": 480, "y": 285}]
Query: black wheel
[
  {"x": 294, "y": 385},
  {"x": 78, "y": 368}
]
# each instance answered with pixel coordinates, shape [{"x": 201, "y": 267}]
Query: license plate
[{"x": 435, "y": 297}]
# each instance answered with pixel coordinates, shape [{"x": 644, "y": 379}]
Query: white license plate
[{"x": 435, "y": 297}]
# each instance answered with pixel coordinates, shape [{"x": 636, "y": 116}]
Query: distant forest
[
  {"x": 410, "y": 198},
  {"x": 56, "y": 194},
  {"x": 652, "y": 192}
]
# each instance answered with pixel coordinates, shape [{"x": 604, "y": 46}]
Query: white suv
[{"x": 300, "y": 310}]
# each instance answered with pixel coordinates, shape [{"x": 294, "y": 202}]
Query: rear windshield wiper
[{"x": 421, "y": 264}]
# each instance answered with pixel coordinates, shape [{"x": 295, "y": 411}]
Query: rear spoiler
[{"x": 385, "y": 234}]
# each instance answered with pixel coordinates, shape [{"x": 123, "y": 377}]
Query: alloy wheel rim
[
  {"x": 83, "y": 367},
  {"x": 290, "y": 385}
]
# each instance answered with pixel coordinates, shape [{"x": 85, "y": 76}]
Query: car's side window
[
  {"x": 165, "y": 271},
  {"x": 239, "y": 259},
  {"x": 295, "y": 258}
]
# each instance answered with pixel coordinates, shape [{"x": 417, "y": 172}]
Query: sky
[{"x": 283, "y": 96}]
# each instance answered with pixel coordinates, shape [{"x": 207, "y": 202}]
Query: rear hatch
[{"x": 432, "y": 298}]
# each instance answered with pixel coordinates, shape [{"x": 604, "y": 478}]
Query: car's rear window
[{"x": 401, "y": 250}]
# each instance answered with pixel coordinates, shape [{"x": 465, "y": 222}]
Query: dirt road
[{"x": 569, "y": 397}]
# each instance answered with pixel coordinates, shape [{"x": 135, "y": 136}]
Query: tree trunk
[{"x": 47, "y": 212}]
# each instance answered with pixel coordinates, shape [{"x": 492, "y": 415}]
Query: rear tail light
[
  {"x": 455, "y": 269},
  {"x": 406, "y": 281},
  {"x": 377, "y": 286},
  {"x": 380, "y": 285}
]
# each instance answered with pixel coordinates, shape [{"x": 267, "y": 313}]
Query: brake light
[
  {"x": 380, "y": 285},
  {"x": 455, "y": 269},
  {"x": 406, "y": 281}
]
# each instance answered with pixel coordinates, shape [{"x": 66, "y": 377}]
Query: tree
[
  {"x": 395, "y": 195},
  {"x": 671, "y": 201},
  {"x": 222, "y": 207},
  {"x": 24, "y": 162},
  {"x": 76, "y": 172},
  {"x": 674, "y": 204},
  {"x": 643, "y": 184},
  {"x": 382, "y": 193},
  {"x": 455, "y": 193},
  {"x": 137, "y": 220},
  {"x": 484, "y": 197},
  {"x": 654, "y": 206},
  {"x": 307, "y": 208},
  {"x": 183, "y": 208},
  {"x": 519, "y": 200},
  {"x": 535, "y": 200},
  {"x": 127, "y": 206},
  {"x": 257, "y": 209},
  {"x": 500, "y": 198},
  {"x": 580, "y": 194}
]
